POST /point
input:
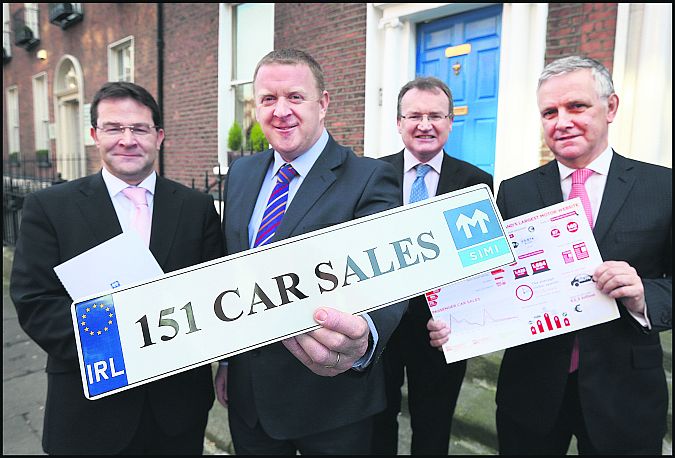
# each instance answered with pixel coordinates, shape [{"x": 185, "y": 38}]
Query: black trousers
[
  {"x": 150, "y": 440},
  {"x": 514, "y": 439},
  {"x": 351, "y": 439},
  {"x": 433, "y": 389}
]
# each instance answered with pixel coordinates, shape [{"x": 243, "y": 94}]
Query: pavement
[{"x": 24, "y": 388}]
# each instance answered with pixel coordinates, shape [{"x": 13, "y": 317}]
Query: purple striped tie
[
  {"x": 579, "y": 178},
  {"x": 276, "y": 206}
]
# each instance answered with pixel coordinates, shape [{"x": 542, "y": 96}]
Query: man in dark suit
[
  {"x": 167, "y": 416},
  {"x": 424, "y": 119},
  {"x": 604, "y": 384},
  {"x": 317, "y": 392}
]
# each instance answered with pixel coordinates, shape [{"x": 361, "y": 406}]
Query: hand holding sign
[
  {"x": 439, "y": 333},
  {"x": 341, "y": 334}
]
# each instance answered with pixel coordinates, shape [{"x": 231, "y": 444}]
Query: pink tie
[
  {"x": 141, "y": 221},
  {"x": 579, "y": 178}
]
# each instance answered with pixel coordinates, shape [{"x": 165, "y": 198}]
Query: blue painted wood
[{"x": 473, "y": 136}]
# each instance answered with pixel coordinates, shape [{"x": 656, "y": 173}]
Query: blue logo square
[{"x": 473, "y": 224}]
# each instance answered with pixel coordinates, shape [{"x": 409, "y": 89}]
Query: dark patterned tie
[{"x": 276, "y": 206}]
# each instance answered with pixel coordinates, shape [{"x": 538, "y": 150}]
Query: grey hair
[{"x": 603, "y": 81}]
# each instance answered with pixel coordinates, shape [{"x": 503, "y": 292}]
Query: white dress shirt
[
  {"x": 595, "y": 188},
  {"x": 124, "y": 208},
  {"x": 430, "y": 179}
]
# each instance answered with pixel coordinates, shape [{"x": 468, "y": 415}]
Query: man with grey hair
[
  {"x": 604, "y": 384},
  {"x": 424, "y": 120}
]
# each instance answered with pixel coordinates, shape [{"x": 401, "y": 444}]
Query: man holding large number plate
[
  {"x": 182, "y": 228},
  {"x": 316, "y": 392}
]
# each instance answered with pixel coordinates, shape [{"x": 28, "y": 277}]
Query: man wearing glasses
[
  {"x": 424, "y": 119},
  {"x": 182, "y": 228}
]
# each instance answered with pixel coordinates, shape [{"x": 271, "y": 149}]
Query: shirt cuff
[
  {"x": 641, "y": 318},
  {"x": 362, "y": 363}
]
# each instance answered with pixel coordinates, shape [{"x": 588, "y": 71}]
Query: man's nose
[
  {"x": 564, "y": 120},
  {"x": 424, "y": 124},
  {"x": 282, "y": 108},
  {"x": 127, "y": 137}
]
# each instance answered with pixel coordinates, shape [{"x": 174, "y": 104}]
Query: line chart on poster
[{"x": 476, "y": 318}]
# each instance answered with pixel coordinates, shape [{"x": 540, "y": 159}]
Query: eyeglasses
[
  {"x": 432, "y": 117},
  {"x": 116, "y": 130}
]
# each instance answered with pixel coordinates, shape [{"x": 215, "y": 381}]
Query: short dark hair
[
  {"x": 291, "y": 56},
  {"x": 425, "y": 83},
  {"x": 125, "y": 90}
]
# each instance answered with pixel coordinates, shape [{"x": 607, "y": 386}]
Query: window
[
  {"x": 41, "y": 112},
  {"x": 13, "y": 121},
  {"x": 31, "y": 19},
  {"x": 253, "y": 36},
  {"x": 121, "y": 60},
  {"x": 6, "y": 30}
]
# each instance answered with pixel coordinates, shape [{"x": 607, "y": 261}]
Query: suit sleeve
[
  {"x": 42, "y": 304},
  {"x": 212, "y": 246},
  {"x": 659, "y": 293},
  {"x": 382, "y": 193}
]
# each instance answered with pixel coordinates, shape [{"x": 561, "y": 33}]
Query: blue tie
[
  {"x": 276, "y": 206},
  {"x": 419, "y": 188}
]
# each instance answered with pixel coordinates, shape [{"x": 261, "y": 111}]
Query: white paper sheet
[{"x": 120, "y": 261}]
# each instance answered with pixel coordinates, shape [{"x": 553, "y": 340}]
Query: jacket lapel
[
  {"x": 97, "y": 208},
  {"x": 618, "y": 186},
  {"x": 166, "y": 210},
  {"x": 248, "y": 191},
  {"x": 548, "y": 183},
  {"x": 450, "y": 174},
  {"x": 317, "y": 181}
]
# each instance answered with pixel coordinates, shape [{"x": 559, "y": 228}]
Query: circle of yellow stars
[{"x": 88, "y": 310}]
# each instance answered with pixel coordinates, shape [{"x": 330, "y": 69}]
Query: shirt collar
[
  {"x": 303, "y": 163},
  {"x": 600, "y": 165},
  {"x": 410, "y": 161},
  {"x": 115, "y": 185}
]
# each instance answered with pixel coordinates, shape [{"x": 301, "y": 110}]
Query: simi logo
[{"x": 476, "y": 232}]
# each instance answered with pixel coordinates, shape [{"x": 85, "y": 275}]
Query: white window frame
[
  {"x": 31, "y": 18},
  {"x": 41, "y": 111},
  {"x": 114, "y": 49},
  {"x": 6, "y": 30},
  {"x": 227, "y": 85},
  {"x": 13, "y": 130}
]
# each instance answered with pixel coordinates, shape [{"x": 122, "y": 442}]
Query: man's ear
[{"x": 612, "y": 107}]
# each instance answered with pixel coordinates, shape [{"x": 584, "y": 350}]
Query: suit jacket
[
  {"x": 455, "y": 174},
  {"x": 269, "y": 384},
  {"x": 62, "y": 222},
  {"x": 622, "y": 385}
]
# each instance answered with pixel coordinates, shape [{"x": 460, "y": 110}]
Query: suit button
[{"x": 256, "y": 353}]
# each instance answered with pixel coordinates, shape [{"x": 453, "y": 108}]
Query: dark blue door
[{"x": 463, "y": 51}]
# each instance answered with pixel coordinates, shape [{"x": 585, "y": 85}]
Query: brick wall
[
  {"x": 335, "y": 35},
  {"x": 190, "y": 91},
  {"x": 587, "y": 29},
  {"x": 87, "y": 41}
]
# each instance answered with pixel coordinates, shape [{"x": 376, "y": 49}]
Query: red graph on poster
[{"x": 548, "y": 325}]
